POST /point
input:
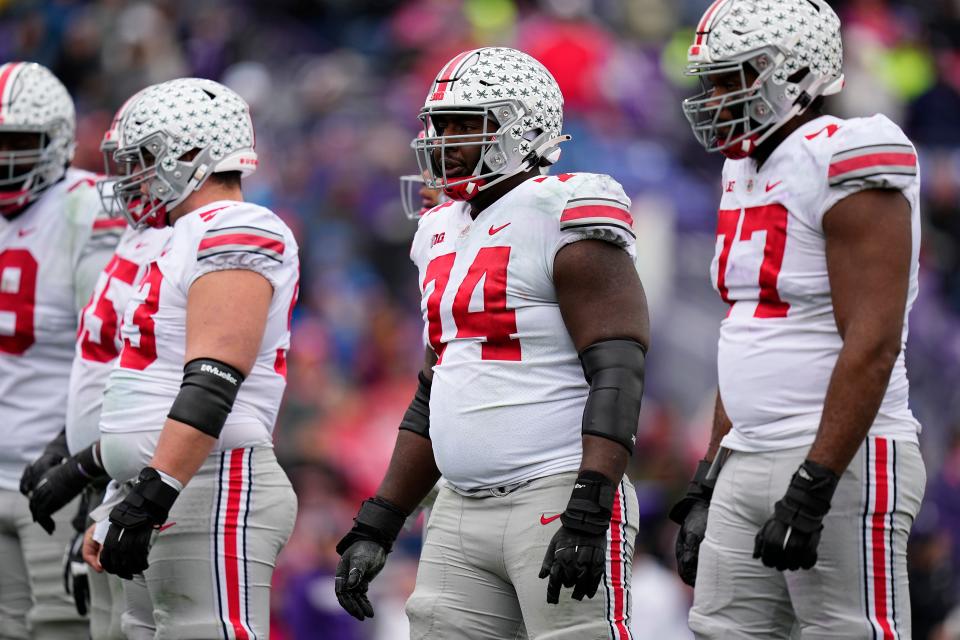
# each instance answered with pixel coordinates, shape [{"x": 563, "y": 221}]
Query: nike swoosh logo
[
  {"x": 24, "y": 232},
  {"x": 495, "y": 230},
  {"x": 545, "y": 520},
  {"x": 165, "y": 527},
  {"x": 771, "y": 187}
]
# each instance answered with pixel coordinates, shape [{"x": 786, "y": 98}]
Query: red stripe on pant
[
  {"x": 616, "y": 569},
  {"x": 231, "y": 560},
  {"x": 881, "y": 573}
]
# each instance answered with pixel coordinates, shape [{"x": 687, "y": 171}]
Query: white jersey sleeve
[
  {"x": 865, "y": 153},
  {"x": 596, "y": 209}
]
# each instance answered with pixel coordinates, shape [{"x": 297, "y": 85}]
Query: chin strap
[{"x": 465, "y": 189}]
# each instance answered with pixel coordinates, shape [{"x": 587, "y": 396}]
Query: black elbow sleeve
[
  {"x": 614, "y": 369},
  {"x": 417, "y": 417},
  {"x": 207, "y": 394}
]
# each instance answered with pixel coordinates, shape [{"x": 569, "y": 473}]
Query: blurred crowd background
[{"x": 335, "y": 87}]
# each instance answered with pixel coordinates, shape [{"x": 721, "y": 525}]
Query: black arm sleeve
[{"x": 614, "y": 369}]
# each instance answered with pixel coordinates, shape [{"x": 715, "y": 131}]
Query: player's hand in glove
[
  {"x": 789, "y": 539},
  {"x": 363, "y": 552},
  {"x": 62, "y": 483},
  {"x": 576, "y": 554},
  {"x": 75, "y": 574},
  {"x": 691, "y": 514},
  {"x": 52, "y": 455},
  {"x": 133, "y": 523}
]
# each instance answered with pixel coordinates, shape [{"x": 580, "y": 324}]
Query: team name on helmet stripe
[
  {"x": 8, "y": 73},
  {"x": 449, "y": 74}
]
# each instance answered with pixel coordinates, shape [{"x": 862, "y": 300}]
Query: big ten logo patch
[{"x": 436, "y": 239}]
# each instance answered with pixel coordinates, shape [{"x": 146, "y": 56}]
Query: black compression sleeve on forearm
[
  {"x": 615, "y": 370},
  {"x": 206, "y": 396},
  {"x": 417, "y": 417}
]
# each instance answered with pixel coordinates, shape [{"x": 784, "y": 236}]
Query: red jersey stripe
[
  {"x": 248, "y": 239},
  {"x": 873, "y": 160},
  {"x": 596, "y": 211}
]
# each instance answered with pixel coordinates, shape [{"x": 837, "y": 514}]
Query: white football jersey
[
  {"x": 508, "y": 391},
  {"x": 50, "y": 256},
  {"x": 98, "y": 338},
  {"x": 779, "y": 342},
  {"x": 146, "y": 380}
]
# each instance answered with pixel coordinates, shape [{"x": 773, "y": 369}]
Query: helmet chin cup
[
  {"x": 463, "y": 190},
  {"x": 13, "y": 202},
  {"x": 742, "y": 150}
]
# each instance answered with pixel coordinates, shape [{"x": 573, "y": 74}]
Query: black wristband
[
  {"x": 151, "y": 495},
  {"x": 591, "y": 504},
  {"x": 88, "y": 463},
  {"x": 808, "y": 497},
  {"x": 379, "y": 521},
  {"x": 417, "y": 417}
]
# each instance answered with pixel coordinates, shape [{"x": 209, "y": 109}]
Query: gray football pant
[
  {"x": 106, "y": 590},
  {"x": 478, "y": 571},
  {"x": 33, "y": 601},
  {"x": 857, "y": 590},
  {"x": 106, "y": 605},
  {"x": 210, "y": 571}
]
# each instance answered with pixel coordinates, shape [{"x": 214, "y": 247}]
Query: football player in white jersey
[
  {"x": 416, "y": 197},
  {"x": 54, "y": 240},
  {"x": 188, "y": 414},
  {"x": 529, "y": 396},
  {"x": 97, "y": 348},
  {"x": 798, "y": 517}
]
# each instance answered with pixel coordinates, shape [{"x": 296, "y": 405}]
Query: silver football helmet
[
  {"x": 504, "y": 86},
  {"x": 174, "y": 136},
  {"x": 33, "y": 101},
  {"x": 793, "y": 49}
]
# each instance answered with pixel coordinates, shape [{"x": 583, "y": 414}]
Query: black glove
[
  {"x": 789, "y": 539},
  {"x": 363, "y": 552},
  {"x": 133, "y": 523},
  {"x": 576, "y": 554},
  {"x": 63, "y": 483},
  {"x": 75, "y": 574},
  {"x": 52, "y": 455},
  {"x": 691, "y": 514}
]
